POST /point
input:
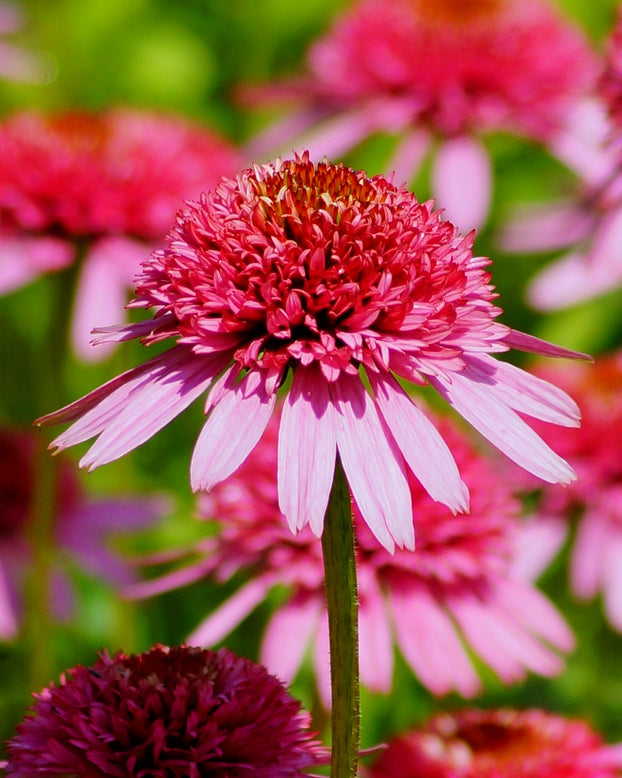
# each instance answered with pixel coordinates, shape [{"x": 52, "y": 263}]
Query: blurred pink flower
[
  {"x": 455, "y": 589},
  {"x": 82, "y": 529},
  {"x": 500, "y": 743},
  {"x": 168, "y": 713},
  {"x": 322, "y": 272},
  {"x": 16, "y": 63},
  {"x": 105, "y": 187},
  {"x": 591, "y": 224},
  {"x": 595, "y": 499},
  {"x": 437, "y": 70}
]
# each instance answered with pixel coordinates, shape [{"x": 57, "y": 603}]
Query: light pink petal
[
  {"x": 570, "y": 280},
  {"x": 408, "y": 157},
  {"x": 101, "y": 292},
  {"x": 522, "y": 391},
  {"x": 287, "y": 636},
  {"x": 306, "y": 451},
  {"x": 588, "y": 555},
  {"x": 18, "y": 64},
  {"x": 372, "y": 464},
  {"x": 231, "y": 432},
  {"x": 427, "y": 638},
  {"x": 118, "y": 333},
  {"x": 537, "y": 542},
  {"x": 334, "y": 137},
  {"x": 503, "y": 428},
  {"x": 375, "y": 639},
  {"x": 321, "y": 661},
  {"x": 8, "y": 618},
  {"x": 534, "y": 612},
  {"x": 499, "y": 641},
  {"x": 142, "y": 590},
  {"x": 233, "y": 611},
  {"x": 279, "y": 134},
  {"x": 612, "y": 580},
  {"x": 169, "y": 391},
  {"x": 462, "y": 181},
  {"x": 24, "y": 259},
  {"x": 421, "y": 444},
  {"x": 546, "y": 228},
  {"x": 523, "y": 342}
]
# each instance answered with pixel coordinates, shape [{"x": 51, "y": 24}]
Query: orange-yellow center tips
[{"x": 457, "y": 12}]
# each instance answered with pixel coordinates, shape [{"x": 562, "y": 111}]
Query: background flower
[{"x": 167, "y": 712}]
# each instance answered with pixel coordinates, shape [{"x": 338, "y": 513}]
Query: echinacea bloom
[
  {"x": 441, "y": 74},
  {"x": 323, "y": 273},
  {"x": 168, "y": 713},
  {"x": 594, "y": 501},
  {"x": 105, "y": 187},
  {"x": 81, "y": 532},
  {"x": 501, "y": 743},
  {"x": 590, "y": 225},
  {"x": 455, "y": 590}
]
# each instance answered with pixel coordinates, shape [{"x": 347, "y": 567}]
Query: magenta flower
[
  {"x": 437, "y": 70},
  {"x": 322, "y": 273},
  {"x": 82, "y": 530},
  {"x": 179, "y": 712},
  {"x": 456, "y": 589},
  {"x": 591, "y": 224},
  {"x": 500, "y": 744},
  {"x": 109, "y": 184},
  {"x": 595, "y": 499}
]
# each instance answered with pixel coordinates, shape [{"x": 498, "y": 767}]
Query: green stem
[{"x": 342, "y": 602}]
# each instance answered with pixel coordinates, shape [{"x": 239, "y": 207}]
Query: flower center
[{"x": 456, "y": 12}]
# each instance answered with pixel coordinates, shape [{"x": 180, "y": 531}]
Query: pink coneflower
[
  {"x": 500, "y": 744},
  {"x": 82, "y": 529},
  {"x": 321, "y": 273},
  {"x": 591, "y": 225},
  {"x": 456, "y": 589},
  {"x": 168, "y": 713},
  {"x": 445, "y": 71},
  {"x": 595, "y": 500},
  {"x": 108, "y": 184}
]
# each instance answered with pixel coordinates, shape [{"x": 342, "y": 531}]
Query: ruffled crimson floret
[
  {"x": 500, "y": 743},
  {"x": 326, "y": 274},
  {"x": 457, "y": 589},
  {"x": 181, "y": 712},
  {"x": 104, "y": 187}
]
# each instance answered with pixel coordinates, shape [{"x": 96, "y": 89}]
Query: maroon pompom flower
[
  {"x": 168, "y": 712},
  {"x": 500, "y": 744}
]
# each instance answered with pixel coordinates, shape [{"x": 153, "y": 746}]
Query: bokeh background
[{"x": 191, "y": 58}]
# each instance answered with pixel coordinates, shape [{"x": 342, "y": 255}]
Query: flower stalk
[{"x": 342, "y": 602}]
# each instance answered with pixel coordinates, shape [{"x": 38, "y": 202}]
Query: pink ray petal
[
  {"x": 180, "y": 380},
  {"x": 23, "y": 259},
  {"x": 522, "y": 391},
  {"x": 321, "y": 661},
  {"x": 429, "y": 642},
  {"x": 421, "y": 444},
  {"x": 8, "y": 619},
  {"x": 503, "y": 428},
  {"x": 588, "y": 555},
  {"x": 545, "y": 228},
  {"x": 228, "y": 615},
  {"x": 462, "y": 181},
  {"x": 306, "y": 451},
  {"x": 375, "y": 639},
  {"x": 612, "y": 580},
  {"x": 537, "y": 543},
  {"x": 381, "y": 492},
  {"x": 524, "y": 342},
  {"x": 408, "y": 157},
  {"x": 535, "y": 612},
  {"x": 287, "y": 636},
  {"x": 231, "y": 431},
  {"x": 118, "y": 333},
  {"x": 165, "y": 583}
]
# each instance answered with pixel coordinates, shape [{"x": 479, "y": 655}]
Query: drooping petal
[
  {"x": 321, "y": 661},
  {"x": 503, "y": 428},
  {"x": 541, "y": 228},
  {"x": 227, "y": 616},
  {"x": 522, "y": 391},
  {"x": 612, "y": 580},
  {"x": 537, "y": 542},
  {"x": 375, "y": 639},
  {"x": 8, "y": 619},
  {"x": 524, "y": 342},
  {"x": 231, "y": 432},
  {"x": 306, "y": 452},
  {"x": 423, "y": 447},
  {"x": 24, "y": 259},
  {"x": 462, "y": 181},
  {"x": 381, "y": 493},
  {"x": 408, "y": 156},
  {"x": 588, "y": 554},
  {"x": 182, "y": 377},
  {"x": 287, "y": 636}
]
